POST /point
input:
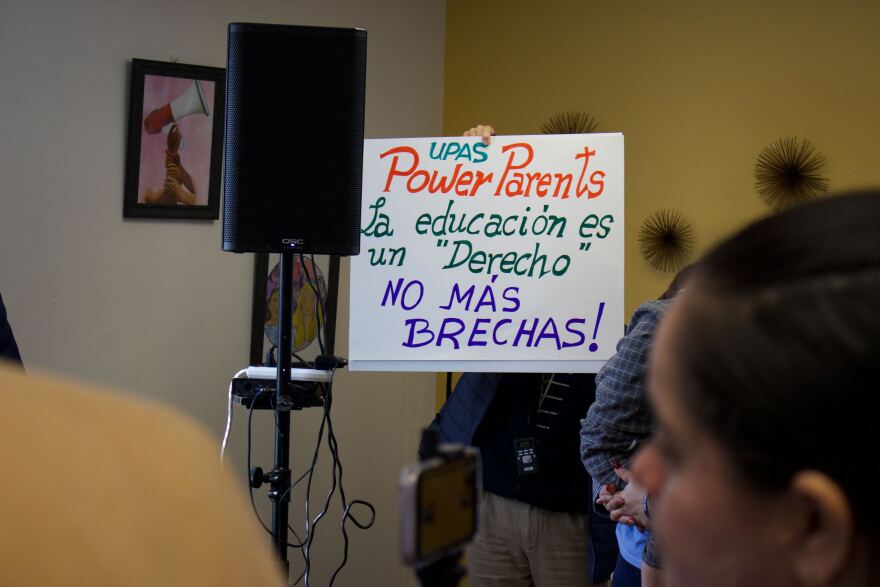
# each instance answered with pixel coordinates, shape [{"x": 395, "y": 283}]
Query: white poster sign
[{"x": 503, "y": 258}]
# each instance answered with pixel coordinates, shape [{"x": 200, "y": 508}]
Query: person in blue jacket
[{"x": 537, "y": 527}]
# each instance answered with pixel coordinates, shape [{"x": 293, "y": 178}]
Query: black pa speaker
[{"x": 294, "y": 139}]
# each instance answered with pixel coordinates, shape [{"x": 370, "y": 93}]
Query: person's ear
[{"x": 825, "y": 540}]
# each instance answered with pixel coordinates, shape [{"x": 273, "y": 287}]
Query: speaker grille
[{"x": 294, "y": 138}]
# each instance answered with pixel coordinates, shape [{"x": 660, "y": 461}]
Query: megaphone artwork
[
  {"x": 192, "y": 101},
  {"x": 175, "y": 140}
]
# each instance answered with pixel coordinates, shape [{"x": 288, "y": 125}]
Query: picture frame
[
  {"x": 175, "y": 141},
  {"x": 264, "y": 306}
]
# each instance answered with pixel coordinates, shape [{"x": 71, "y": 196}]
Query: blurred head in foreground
[
  {"x": 105, "y": 489},
  {"x": 762, "y": 378}
]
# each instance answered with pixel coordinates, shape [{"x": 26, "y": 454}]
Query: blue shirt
[{"x": 631, "y": 542}]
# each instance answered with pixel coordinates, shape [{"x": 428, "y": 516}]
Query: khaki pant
[{"x": 519, "y": 545}]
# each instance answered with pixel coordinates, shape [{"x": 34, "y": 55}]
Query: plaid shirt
[{"x": 620, "y": 418}]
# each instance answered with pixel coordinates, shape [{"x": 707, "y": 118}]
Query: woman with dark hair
[{"x": 761, "y": 377}]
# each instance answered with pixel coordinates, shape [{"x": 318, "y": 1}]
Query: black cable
[
  {"x": 250, "y": 487},
  {"x": 289, "y": 527},
  {"x": 337, "y": 465},
  {"x": 298, "y": 579},
  {"x": 326, "y": 420},
  {"x": 319, "y": 297},
  {"x": 272, "y": 362},
  {"x": 301, "y": 360},
  {"x": 322, "y": 314},
  {"x": 320, "y": 309},
  {"x": 295, "y": 483},
  {"x": 328, "y": 398},
  {"x": 309, "y": 526},
  {"x": 332, "y": 443},
  {"x": 305, "y": 544},
  {"x": 323, "y": 298},
  {"x": 289, "y": 490},
  {"x": 334, "y": 449},
  {"x": 345, "y": 516},
  {"x": 337, "y": 474}
]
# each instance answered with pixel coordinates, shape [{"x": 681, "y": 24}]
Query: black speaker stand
[
  {"x": 282, "y": 396},
  {"x": 280, "y": 492}
]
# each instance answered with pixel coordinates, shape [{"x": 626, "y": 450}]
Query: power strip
[{"x": 296, "y": 374}]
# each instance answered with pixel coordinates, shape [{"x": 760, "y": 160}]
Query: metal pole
[{"x": 280, "y": 492}]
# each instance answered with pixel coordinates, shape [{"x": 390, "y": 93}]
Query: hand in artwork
[
  {"x": 176, "y": 171},
  {"x": 174, "y": 139},
  {"x": 178, "y": 187},
  {"x": 178, "y": 192}
]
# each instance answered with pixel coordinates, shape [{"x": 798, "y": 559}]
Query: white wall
[{"x": 154, "y": 306}]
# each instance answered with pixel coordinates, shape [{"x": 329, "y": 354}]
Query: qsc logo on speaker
[{"x": 292, "y": 244}]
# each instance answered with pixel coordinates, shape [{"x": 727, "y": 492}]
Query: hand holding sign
[{"x": 481, "y": 130}]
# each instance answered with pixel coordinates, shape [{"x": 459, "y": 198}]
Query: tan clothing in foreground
[{"x": 101, "y": 489}]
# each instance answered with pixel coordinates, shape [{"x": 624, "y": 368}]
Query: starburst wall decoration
[
  {"x": 666, "y": 240},
  {"x": 569, "y": 123},
  {"x": 789, "y": 172}
]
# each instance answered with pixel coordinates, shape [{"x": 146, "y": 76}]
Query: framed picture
[
  {"x": 175, "y": 141},
  {"x": 315, "y": 295}
]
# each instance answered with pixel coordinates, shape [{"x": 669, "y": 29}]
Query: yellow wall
[{"x": 697, "y": 87}]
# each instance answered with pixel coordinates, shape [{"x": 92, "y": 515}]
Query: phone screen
[{"x": 447, "y": 497}]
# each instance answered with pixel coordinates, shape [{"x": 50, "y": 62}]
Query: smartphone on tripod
[{"x": 439, "y": 505}]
